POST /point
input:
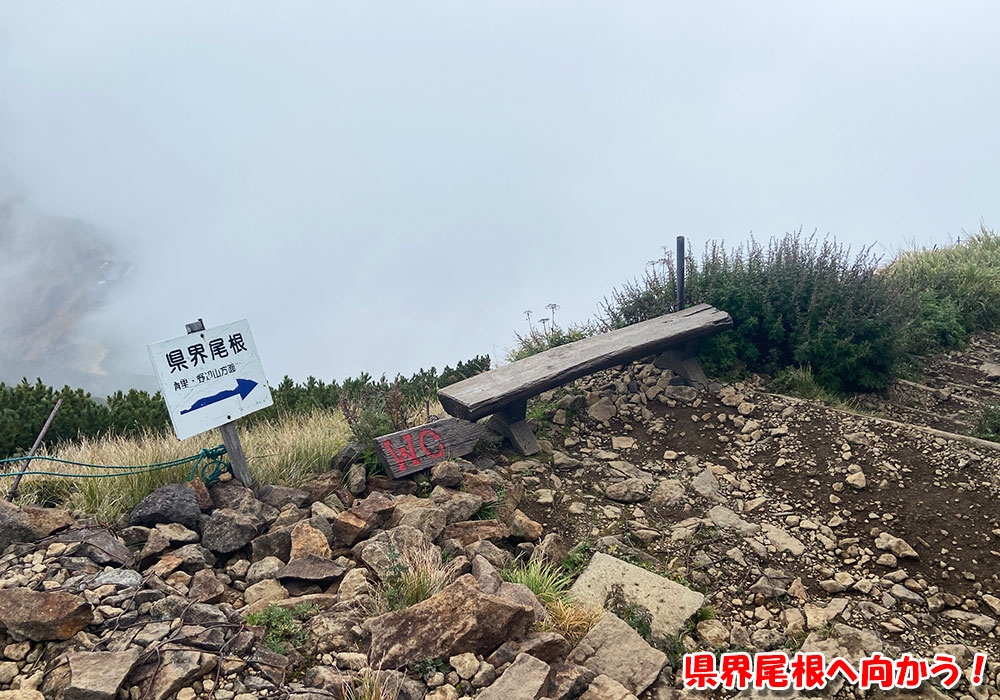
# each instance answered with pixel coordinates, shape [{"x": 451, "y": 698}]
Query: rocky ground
[{"x": 731, "y": 519}]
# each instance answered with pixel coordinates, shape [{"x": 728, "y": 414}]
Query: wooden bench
[{"x": 504, "y": 392}]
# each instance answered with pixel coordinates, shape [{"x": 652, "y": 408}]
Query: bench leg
[
  {"x": 684, "y": 362},
  {"x": 511, "y": 423}
]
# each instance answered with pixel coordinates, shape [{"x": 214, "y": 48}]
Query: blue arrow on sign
[{"x": 243, "y": 388}]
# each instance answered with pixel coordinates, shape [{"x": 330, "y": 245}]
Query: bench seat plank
[{"x": 491, "y": 391}]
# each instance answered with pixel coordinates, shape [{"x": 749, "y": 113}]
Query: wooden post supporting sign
[{"x": 230, "y": 438}]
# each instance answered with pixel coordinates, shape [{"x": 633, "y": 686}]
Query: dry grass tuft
[
  {"x": 570, "y": 619},
  {"x": 413, "y": 576},
  {"x": 288, "y": 451}
]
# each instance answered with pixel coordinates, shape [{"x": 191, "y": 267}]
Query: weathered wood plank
[
  {"x": 489, "y": 392},
  {"x": 416, "y": 449}
]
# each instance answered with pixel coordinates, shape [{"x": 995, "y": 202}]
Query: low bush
[
  {"x": 988, "y": 426},
  {"x": 283, "y": 626},
  {"x": 802, "y": 302}
]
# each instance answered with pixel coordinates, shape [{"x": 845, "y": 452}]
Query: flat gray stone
[
  {"x": 614, "y": 649},
  {"x": 525, "y": 679},
  {"x": 670, "y": 603}
]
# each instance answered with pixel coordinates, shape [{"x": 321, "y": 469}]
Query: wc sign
[
  {"x": 210, "y": 377},
  {"x": 420, "y": 448}
]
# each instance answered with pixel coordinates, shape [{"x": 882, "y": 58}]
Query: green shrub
[
  {"x": 988, "y": 427},
  {"x": 283, "y": 627}
]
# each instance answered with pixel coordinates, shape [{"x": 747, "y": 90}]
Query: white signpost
[{"x": 210, "y": 378}]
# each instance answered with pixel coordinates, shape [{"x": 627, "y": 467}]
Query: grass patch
[
  {"x": 571, "y": 619},
  {"x": 577, "y": 558},
  {"x": 284, "y": 630},
  {"x": 289, "y": 452},
  {"x": 413, "y": 576},
  {"x": 488, "y": 511},
  {"x": 548, "y": 583},
  {"x": 372, "y": 685}
]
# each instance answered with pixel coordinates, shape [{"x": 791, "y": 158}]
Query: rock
[
  {"x": 524, "y": 528},
  {"x": 323, "y": 485},
  {"x": 896, "y": 545},
  {"x": 267, "y": 591},
  {"x": 357, "y": 478},
  {"x": 525, "y": 679},
  {"x": 458, "y": 506},
  {"x": 430, "y": 521},
  {"x": 447, "y": 473},
  {"x": 307, "y": 541},
  {"x": 461, "y": 618},
  {"x": 311, "y": 568},
  {"x": 173, "y": 503},
  {"x": 546, "y": 646},
  {"x": 991, "y": 370},
  {"x": 119, "y": 578},
  {"x": 569, "y": 680},
  {"x": 280, "y": 496},
  {"x": 29, "y": 524},
  {"x": 40, "y": 616},
  {"x": 276, "y": 544},
  {"x": 622, "y": 443},
  {"x": 627, "y": 491},
  {"x": 683, "y": 394},
  {"x": 172, "y": 670},
  {"x": 268, "y": 567},
  {"x": 227, "y": 530},
  {"x": 606, "y": 688},
  {"x": 668, "y": 492},
  {"x": 383, "y": 551},
  {"x": 23, "y": 694},
  {"x": 713, "y": 633},
  {"x": 846, "y": 642},
  {"x": 728, "y": 520},
  {"x": 706, "y": 485},
  {"x": 782, "y": 541},
  {"x": 614, "y": 649},
  {"x": 97, "y": 675},
  {"x": 98, "y": 545},
  {"x": 603, "y": 410},
  {"x": 551, "y": 551},
  {"x": 983, "y": 623},
  {"x": 857, "y": 480},
  {"x": 466, "y": 665},
  {"x": 348, "y": 455},
  {"x": 669, "y": 603},
  {"x": 205, "y": 587},
  {"x": 473, "y": 530},
  {"x": 363, "y": 517}
]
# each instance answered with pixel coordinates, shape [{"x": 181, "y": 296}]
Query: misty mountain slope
[{"x": 55, "y": 273}]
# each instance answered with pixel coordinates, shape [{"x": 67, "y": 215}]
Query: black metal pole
[{"x": 680, "y": 272}]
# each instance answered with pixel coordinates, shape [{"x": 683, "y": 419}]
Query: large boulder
[
  {"x": 227, "y": 530},
  {"x": 173, "y": 503},
  {"x": 616, "y": 650},
  {"x": 29, "y": 524},
  {"x": 43, "y": 615},
  {"x": 669, "y": 603},
  {"x": 461, "y": 618}
]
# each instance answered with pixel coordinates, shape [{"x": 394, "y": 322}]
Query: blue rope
[{"x": 210, "y": 461}]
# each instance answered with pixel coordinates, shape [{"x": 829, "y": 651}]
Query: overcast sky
[{"x": 382, "y": 186}]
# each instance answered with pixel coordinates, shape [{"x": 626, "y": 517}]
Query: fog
[{"x": 384, "y": 186}]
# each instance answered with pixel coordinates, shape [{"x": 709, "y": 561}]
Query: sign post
[{"x": 210, "y": 378}]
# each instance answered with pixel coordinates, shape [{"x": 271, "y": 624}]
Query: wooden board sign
[{"x": 420, "y": 448}]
